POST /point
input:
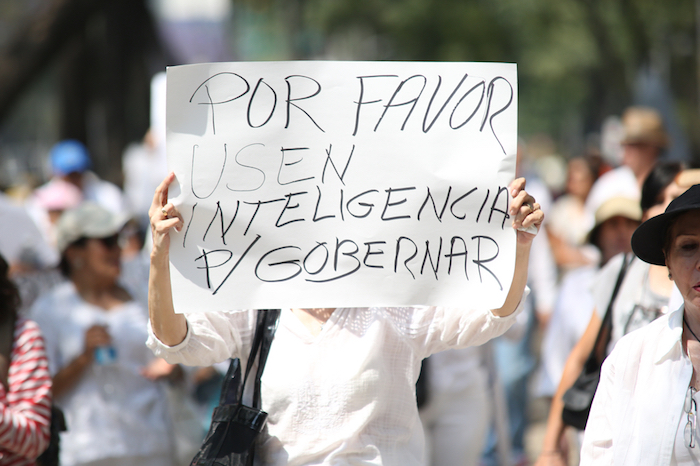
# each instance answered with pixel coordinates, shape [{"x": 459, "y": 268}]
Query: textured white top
[{"x": 346, "y": 396}]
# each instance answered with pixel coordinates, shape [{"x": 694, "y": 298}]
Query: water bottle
[
  {"x": 105, "y": 369},
  {"x": 105, "y": 355}
]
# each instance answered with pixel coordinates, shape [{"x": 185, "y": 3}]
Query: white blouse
[
  {"x": 683, "y": 453},
  {"x": 638, "y": 407},
  {"x": 346, "y": 396}
]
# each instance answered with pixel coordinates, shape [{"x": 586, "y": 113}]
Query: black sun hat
[{"x": 648, "y": 238}]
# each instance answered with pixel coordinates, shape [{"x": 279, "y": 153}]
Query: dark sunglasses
[{"x": 109, "y": 242}]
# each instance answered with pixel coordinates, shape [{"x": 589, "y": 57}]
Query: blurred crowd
[{"x": 77, "y": 250}]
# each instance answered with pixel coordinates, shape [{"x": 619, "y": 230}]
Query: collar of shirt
[{"x": 670, "y": 342}]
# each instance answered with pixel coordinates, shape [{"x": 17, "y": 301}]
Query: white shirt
[
  {"x": 104, "y": 193},
  {"x": 637, "y": 408},
  {"x": 112, "y": 411},
  {"x": 20, "y": 238},
  {"x": 570, "y": 318},
  {"x": 635, "y": 305},
  {"x": 682, "y": 452},
  {"x": 454, "y": 371},
  {"x": 346, "y": 396},
  {"x": 144, "y": 168}
]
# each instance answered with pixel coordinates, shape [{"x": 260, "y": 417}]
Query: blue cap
[{"x": 69, "y": 156}]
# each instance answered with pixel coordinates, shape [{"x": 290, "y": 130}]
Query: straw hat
[
  {"x": 618, "y": 206},
  {"x": 643, "y": 125}
]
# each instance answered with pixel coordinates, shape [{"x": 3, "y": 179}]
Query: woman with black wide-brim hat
[{"x": 645, "y": 408}]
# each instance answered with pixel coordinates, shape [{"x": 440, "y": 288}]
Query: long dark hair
[
  {"x": 657, "y": 181},
  {"x": 9, "y": 294}
]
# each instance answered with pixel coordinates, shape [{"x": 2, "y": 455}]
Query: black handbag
[
  {"x": 50, "y": 457},
  {"x": 578, "y": 399},
  {"x": 235, "y": 426}
]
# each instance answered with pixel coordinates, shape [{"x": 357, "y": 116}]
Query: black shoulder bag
[
  {"x": 577, "y": 399},
  {"x": 235, "y": 426}
]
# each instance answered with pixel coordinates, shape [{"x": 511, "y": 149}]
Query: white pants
[{"x": 456, "y": 425}]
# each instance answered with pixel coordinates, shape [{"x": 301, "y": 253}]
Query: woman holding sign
[{"x": 339, "y": 384}]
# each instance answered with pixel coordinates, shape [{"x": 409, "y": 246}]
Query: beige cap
[
  {"x": 616, "y": 207},
  {"x": 644, "y": 125},
  {"x": 88, "y": 220}
]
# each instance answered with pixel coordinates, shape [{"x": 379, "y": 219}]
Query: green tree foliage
[{"x": 577, "y": 59}]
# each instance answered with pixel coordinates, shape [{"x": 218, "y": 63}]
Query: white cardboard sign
[{"x": 341, "y": 184}]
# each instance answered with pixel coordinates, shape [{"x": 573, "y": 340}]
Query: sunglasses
[
  {"x": 109, "y": 242},
  {"x": 690, "y": 408}
]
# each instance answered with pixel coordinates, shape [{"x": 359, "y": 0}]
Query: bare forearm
[
  {"x": 527, "y": 219},
  {"x": 169, "y": 327},
  {"x": 68, "y": 376},
  {"x": 572, "y": 369},
  {"x": 517, "y": 287}
]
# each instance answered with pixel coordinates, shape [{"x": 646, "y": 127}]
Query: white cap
[{"x": 88, "y": 220}]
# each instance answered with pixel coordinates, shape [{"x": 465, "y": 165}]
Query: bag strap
[
  {"x": 257, "y": 341},
  {"x": 598, "y": 355},
  {"x": 270, "y": 327},
  {"x": 265, "y": 328}
]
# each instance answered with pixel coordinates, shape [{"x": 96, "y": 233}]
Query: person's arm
[
  {"x": 551, "y": 454},
  {"x": 565, "y": 254},
  {"x": 24, "y": 427},
  {"x": 169, "y": 327},
  {"x": 526, "y": 213},
  {"x": 69, "y": 375}
]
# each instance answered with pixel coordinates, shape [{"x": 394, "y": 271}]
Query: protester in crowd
[
  {"x": 47, "y": 203},
  {"x": 514, "y": 359},
  {"x": 70, "y": 162},
  {"x": 615, "y": 221},
  {"x": 364, "y": 412},
  {"x": 645, "y": 407},
  {"x": 25, "y": 384},
  {"x": 457, "y": 412},
  {"x": 643, "y": 296},
  {"x": 513, "y": 354},
  {"x": 644, "y": 143},
  {"x": 21, "y": 242},
  {"x": 568, "y": 224},
  {"x": 134, "y": 259},
  {"x": 144, "y": 166},
  {"x": 32, "y": 259},
  {"x": 104, "y": 377}
]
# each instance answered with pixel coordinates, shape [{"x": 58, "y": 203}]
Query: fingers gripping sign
[
  {"x": 164, "y": 217},
  {"x": 526, "y": 212}
]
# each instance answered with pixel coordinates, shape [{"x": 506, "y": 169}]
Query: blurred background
[
  {"x": 92, "y": 71},
  {"x": 83, "y": 68}
]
